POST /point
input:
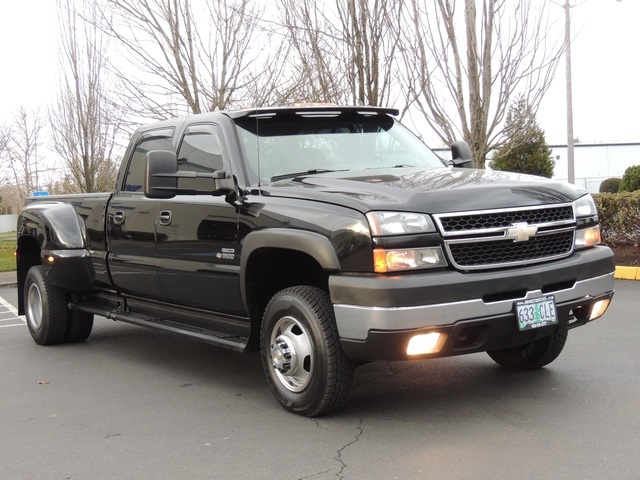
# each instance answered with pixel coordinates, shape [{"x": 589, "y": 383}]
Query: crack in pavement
[
  {"x": 340, "y": 452},
  {"x": 315, "y": 475}
]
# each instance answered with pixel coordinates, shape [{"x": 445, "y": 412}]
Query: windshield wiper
[{"x": 308, "y": 172}]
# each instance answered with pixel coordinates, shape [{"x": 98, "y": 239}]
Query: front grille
[
  {"x": 458, "y": 223},
  {"x": 489, "y": 239},
  {"x": 505, "y": 252}
]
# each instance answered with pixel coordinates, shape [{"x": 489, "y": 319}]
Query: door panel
[
  {"x": 198, "y": 261},
  {"x": 131, "y": 219},
  {"x": 132, "y": 245},
  {"x": 197, "y": 235}
]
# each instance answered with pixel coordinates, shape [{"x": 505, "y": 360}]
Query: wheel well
[
  {"x": 270, "y": 270},
  {"x": 27, "y": 256}
]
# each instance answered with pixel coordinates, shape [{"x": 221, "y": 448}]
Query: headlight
[
  {"x": 399, "y": 223},
  {"x": 384, "y": 224},
  {"x": 585, "y": 207}
]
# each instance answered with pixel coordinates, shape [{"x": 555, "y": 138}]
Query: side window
[
  {"x": 201, "y": 151},
  {"x": 134, "y": 180}
]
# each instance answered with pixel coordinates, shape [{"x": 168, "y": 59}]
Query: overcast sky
[{"x": 606, "y": 67}]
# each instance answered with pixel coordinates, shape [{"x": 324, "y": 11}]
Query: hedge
[
  {"x": 631, "y": 179},
  {"x": 610, "y": 185},
  {"x": 619, "y": 215}
]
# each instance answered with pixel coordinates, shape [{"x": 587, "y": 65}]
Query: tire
[
  {"x": 303, "y": 361},
  {"x": 532, "y": 355},
  {"x": 45, "y": 308},
  {"x": 79, "y": 326}
]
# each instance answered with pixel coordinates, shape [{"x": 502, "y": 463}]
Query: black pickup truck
[{"x": 323, "y": 237}]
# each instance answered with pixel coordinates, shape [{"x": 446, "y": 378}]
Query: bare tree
[
  {"x": 84, "y": 122},
  {"x": 464, "y": 67},
  {"x": 21, "y": 151},
  {"x": 193, "y": 58},
  {"x": 5, "y": 135},
  {"x": 346, "y": 54}
]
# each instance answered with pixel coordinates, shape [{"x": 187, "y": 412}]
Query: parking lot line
[{"x": 9, "y": 315}]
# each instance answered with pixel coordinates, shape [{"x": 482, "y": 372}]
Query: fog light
[
  {"x": 599, "y": 308},
  {"x": 50, "y": 259},
  {"x": 426, "y": 343}
]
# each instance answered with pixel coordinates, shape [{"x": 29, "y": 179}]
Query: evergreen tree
[{"x": 525, "y": 150}]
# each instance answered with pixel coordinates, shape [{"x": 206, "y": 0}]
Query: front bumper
[{"x": 377, "y": 315}]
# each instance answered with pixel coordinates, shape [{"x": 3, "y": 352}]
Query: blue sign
[{"x": 40, "y": 194}]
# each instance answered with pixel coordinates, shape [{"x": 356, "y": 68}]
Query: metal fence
[{"x": 591, "y": 184}]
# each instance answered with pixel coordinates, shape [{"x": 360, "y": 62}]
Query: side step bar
[{"x": 232, "y": 342}]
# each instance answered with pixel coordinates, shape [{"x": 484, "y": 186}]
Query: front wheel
[
  {"x": 302, "y": 358},
  {"x": 532, "y": 355}
]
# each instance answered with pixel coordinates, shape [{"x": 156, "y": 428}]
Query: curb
[{"x": 627, "y": 273}]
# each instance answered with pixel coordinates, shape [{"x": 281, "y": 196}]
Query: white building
[{"x": 593, "y": 163}]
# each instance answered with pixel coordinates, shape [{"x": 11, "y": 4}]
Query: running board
[{"x": 233, "y": 342}]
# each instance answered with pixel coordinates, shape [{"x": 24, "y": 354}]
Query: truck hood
[{"x": 439, "y": 190}]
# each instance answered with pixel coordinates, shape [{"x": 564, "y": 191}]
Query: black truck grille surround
[{"x": 511, "y": 237}]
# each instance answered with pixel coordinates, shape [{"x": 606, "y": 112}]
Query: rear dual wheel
[
  {"x": 49, "y": 320},
  {"x": 307, "y": 370}
]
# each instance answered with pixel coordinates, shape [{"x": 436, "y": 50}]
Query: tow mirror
[
  {"x": 161, "y": 180},
  {"x": 460, "y": 154},
  {"x": 162, "y": 177}
]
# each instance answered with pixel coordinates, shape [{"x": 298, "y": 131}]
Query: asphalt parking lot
[{"x": 130, "y": 403}]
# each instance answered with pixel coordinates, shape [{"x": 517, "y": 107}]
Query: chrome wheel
[
  {"x": 34, "y": 307},
  {"x": 307, "y": 370},
  {"x": 291, "y": 354}
]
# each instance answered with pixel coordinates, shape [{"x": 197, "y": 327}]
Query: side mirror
[
  {"x": 162, "y": 176},
  {"x": 161, "y": 180},
  {"x": 460, "y": 154}
]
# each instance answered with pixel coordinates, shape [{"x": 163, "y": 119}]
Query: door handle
[
  {"x": 164, "y": 217},
  {"x": 118, "y": 217}
]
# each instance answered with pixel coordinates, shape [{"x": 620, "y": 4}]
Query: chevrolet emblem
[{"x": 521, "y": 232}]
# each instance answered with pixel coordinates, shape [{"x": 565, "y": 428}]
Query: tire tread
[
  {"x": 54, "y": 305},
  {"x": 339, "y": 368}
]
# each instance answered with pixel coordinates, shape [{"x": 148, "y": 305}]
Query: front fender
[{"x": 313, "y": 244}]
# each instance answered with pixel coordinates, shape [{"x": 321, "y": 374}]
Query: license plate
[{"x": 536, "y": 313}]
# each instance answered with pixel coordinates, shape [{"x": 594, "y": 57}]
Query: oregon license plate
[{"x": 536, "y": 313}]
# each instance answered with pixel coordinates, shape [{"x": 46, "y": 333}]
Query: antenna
[{"x": 258, "y": 151}]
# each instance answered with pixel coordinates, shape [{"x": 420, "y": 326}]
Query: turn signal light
[
  {"x": 407, "y": 259},
  {"x": 588, "y": 237}
]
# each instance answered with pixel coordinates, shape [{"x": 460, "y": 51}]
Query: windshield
[{"x": 280, "y": 146}]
